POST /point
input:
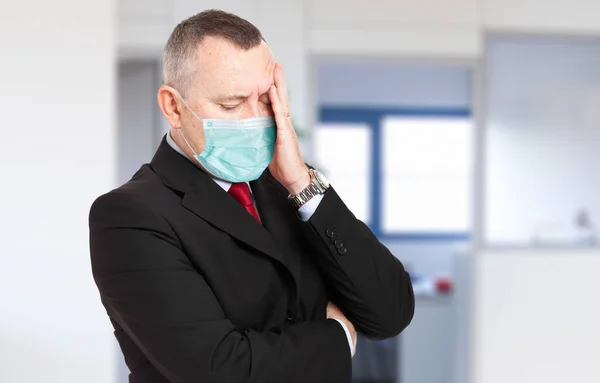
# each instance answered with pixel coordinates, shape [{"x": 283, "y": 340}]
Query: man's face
[{"x": 230, "y": 83}]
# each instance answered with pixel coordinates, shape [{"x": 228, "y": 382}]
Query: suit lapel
[
  {"x": 278, "y": 217},
  {"x": 223, "y": 211}
]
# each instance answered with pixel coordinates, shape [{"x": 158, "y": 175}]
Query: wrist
[{"x": 301, "y": 184}]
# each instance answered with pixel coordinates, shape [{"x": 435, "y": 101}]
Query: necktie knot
[{"x": 241, "y": 192}]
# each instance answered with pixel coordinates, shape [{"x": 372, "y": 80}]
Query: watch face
[{"x": 322, "y": 180}]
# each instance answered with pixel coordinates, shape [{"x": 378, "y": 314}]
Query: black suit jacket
[{"x": 198, "y": 291}]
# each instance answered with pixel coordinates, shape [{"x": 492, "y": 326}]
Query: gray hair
[{"x": 179, "y": 58}]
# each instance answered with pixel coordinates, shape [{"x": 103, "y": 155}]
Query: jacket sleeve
[
  {"x": 365, "y": 280},
  {"x": 149, "y": 287}
]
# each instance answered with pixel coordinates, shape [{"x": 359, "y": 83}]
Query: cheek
[
  {"x": 195, "y": 134},
  {"x": 210, "y": 110}
]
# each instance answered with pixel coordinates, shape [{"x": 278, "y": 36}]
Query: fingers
[
  {"x": 281, "y": 84},
  {"x": 276, "y": 104}
]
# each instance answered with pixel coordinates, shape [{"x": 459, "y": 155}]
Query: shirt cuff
[
  {"x": 308, "y": 209},
  {"x": 348, "y": 336}
]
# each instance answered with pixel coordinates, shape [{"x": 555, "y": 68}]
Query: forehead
[{"x": 225, "y": 69}]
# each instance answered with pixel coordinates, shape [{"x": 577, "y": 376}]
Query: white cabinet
[{"x": 536, "y": 316}]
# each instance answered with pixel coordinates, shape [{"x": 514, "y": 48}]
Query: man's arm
[
  {"x": 368, "y": 282},
  {"x": 305, "y": 212},
  {"x": 149, "y": 287}
]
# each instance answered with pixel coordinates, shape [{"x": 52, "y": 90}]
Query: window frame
[{"x": 373, "y": 118}]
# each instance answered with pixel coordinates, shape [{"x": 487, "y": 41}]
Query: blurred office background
[{"x": 466, "y": 133}]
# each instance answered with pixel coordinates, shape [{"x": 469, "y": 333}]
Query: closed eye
[{"x": 229, "y": 107}]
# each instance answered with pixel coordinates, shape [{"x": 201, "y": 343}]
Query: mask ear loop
[
  {"x": 186, "y": 141},
  {"x": 180, "y": 129}
]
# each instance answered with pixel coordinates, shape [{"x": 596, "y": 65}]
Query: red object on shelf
[{"x": 443, "y": 285}]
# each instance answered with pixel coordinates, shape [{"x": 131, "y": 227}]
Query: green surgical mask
[{"x": 237, "y": 150}]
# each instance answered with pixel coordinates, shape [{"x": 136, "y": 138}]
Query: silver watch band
[{"x": 315, "y": 187}]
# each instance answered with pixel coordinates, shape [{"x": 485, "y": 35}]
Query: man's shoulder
[{"x": 137, "y": 193}]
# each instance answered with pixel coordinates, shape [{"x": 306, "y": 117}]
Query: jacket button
[
  {"x": 329, "y": 233},
  {"x": 342, "y": 251},
  {"x": 339, "y": 244}
]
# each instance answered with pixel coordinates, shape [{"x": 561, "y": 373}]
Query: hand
[
  {"x": 287, "y": 166},
  {"x": 334, "y": 312}
]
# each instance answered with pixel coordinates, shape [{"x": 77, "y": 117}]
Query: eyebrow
[{"x": 234, "y": 97}]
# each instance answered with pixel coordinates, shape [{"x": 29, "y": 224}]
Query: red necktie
[{"x": 241, "y": 192}]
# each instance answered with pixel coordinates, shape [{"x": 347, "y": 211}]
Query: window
[
  {"x": 342, "y": 153},
  {"x": 411, "y": 125},
  {"x": 426, "y": 173}
]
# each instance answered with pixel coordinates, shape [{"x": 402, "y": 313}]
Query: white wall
[
  {"x": 143, "y": 27},
  {"x": 570, "y": 16},
  {"x": 392, "y": 84},
  {"x": 57, "y": 153},
  {"x": 439, "y": 28},
  {"x": 139, "y": 117},
  {"x": 543, "y": 136},
  {"x": 536, "y": 317},
  {"x": 430, "y": 28}
]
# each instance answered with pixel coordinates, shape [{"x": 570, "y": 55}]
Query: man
[{"x": 227, "y": 259}]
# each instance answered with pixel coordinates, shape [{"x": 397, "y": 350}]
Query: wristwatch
[{"x": 318, "y": 185}]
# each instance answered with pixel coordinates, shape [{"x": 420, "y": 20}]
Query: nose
[
  {"x": 253, "y": 109},
  {"x": 257, "y": 108}
]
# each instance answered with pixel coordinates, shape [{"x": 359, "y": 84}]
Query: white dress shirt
[{"x": 305, "y": 212}]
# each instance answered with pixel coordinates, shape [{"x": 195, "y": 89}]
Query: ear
[{"x": 169, "y": 105}]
